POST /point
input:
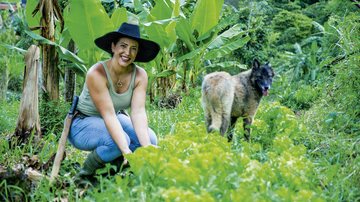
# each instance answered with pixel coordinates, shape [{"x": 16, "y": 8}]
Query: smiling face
[{"x": 125, "y": 51}]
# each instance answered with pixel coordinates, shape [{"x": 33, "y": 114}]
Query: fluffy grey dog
[{"x": 225, "y": 98}]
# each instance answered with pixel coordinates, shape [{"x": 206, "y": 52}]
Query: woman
[{"x": 110, "y": 87}]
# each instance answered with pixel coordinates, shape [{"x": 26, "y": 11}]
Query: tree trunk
[
  {"x": 4, "y": 79},
  {"x": 70, "y": 77},
  {"x": 50, "y": 56},
  {"x": 28, "y": 120}
]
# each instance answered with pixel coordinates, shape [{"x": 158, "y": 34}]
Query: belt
[{"x": 80, "y": 114}]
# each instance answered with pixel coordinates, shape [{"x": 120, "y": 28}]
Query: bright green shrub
[{"x": 193, "y": 165}]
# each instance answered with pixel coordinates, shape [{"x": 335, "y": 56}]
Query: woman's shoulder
[
  {"x": 140, "y": 72},
  {"x": 141, "y": 75},
  {"x": 97, "y": 70}
]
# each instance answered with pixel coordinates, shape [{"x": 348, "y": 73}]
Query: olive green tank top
[{"x": 120, "y": 101}]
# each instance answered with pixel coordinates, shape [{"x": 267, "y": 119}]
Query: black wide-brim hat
[{"x": 147, "y": 49}]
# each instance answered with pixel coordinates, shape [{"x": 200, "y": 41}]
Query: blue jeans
[{"x": 90, "y": 133}]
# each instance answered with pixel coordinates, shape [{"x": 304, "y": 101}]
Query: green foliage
[
  {"x": 191, "y": 164},
  {"x": 10, "y": 61},
  {"x": 318, "y": 12},
  {"x": 163, "y": 121},
  {"x": 297, "y": 96},
  {"x": 334, "y": 118},
  {"x": 52, "y": 116},
  {"x": 254, "y": 16},
  {"x": 293, "y": 27},
  {"x": 8, "y": 116}
]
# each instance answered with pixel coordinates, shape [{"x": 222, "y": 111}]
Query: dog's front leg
[{"x": 247, "y": 123}]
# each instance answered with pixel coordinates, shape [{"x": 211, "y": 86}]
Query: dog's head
[{"x": 261, "y": 76}]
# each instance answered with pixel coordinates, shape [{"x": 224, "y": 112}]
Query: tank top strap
[
  {"x": 107, "y": 74},
  {"x": 132, "y": 84}
]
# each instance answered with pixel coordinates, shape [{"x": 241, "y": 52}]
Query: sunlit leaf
[
  {"x": 87, "y": 20},
  {"x": 206, "y": 15},
  {"x": 227, "y": 48},
  {"x": 119, "y": 16}
]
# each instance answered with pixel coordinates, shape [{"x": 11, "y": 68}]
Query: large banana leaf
[
  {"x": 161, "y": 31},
  {"x": 191, "y": 54},
  {"x": 225, "y": 37},
  {"x": 176, "y": 9},
  {"x": 162, "y": 10},
  {"x": 223, "y": 23},
  {"x": 119, "y": 16},
  {"x": 141, "y": 11},
  {"x": 170, "y": 30},
  {"x": 226, "y": 49},
  {"x": 206, "y": 15},
  {"x": 87, "y": 20},
  {"x": 226, "y": 64},
  {"x": 63, "y": 52},
  {"x": 184, "y": 32}
]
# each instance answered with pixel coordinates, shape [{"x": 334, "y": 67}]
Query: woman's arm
[
  {"x": 97, "y": 84},
  {"x": 138, "y": 112}
]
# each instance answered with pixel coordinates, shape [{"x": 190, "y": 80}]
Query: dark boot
[
  {"x": 118, "y": 165},
  {"x": 91, "y": 164}
]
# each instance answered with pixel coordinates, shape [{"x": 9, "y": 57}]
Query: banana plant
[
  {"x": 48, "y": 13},
  {"x": 209, "y": 46},
  {"x": 34, "y": 15},
  {"x": 187, "y": 40}
]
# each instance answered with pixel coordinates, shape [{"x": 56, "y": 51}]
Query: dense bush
[
  {"x": 52, "y": 116},
  {"x": 293, "y": 27}
]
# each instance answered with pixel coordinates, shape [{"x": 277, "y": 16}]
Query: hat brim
[{"x": 148, "y": 50}]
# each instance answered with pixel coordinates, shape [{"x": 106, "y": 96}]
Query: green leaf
[
  {"x": 63, "y": 52},
  {"x": 160, "y": 31},
  {"x": 86, "y": 21},
  {"x": 226, "y": 36},
  {"x": 162, "y": 10},
  {"x": 119, "y": 16},
  {"x": 32, "y": 21},
  {"x": 166, "y": 73},
  {"x": 40, "y": 38},
  {"x": 170, "y": 30},
  {"x": 234, "y": 64},
  {"x": 184, "y": 32},
  {"x": 206, "y": 15},
  {"x": 176, "y": 9},
  {"x": 13, "y": 48},
  {"x": 190, "y": 55},
  {"x": 226, "y": 49},
  {"x": 142, "y": 13},
  {"x": 65, "y": 38}
]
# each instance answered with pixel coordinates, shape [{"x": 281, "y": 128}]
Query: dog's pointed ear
[{"x": 256, "y": 64}]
